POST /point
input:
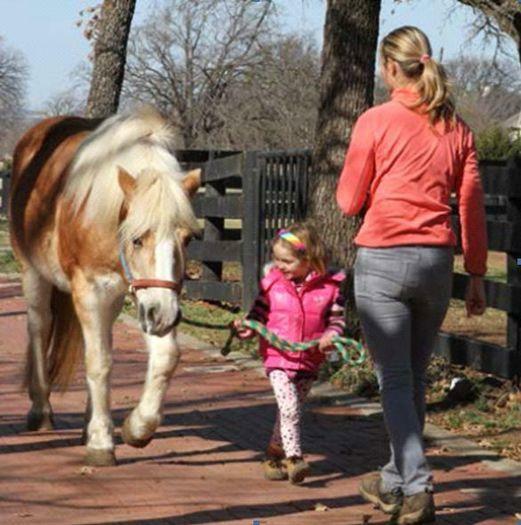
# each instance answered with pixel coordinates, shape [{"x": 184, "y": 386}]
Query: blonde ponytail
[{"x": 411, "y": 49}]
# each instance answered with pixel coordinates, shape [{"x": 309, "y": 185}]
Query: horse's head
[{"x": 156, "y": 224}]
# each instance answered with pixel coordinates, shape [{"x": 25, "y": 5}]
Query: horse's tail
[{"x": 65, "y": 344}]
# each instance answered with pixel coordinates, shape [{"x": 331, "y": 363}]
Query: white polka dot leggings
[{"x": 290, "y": 395}]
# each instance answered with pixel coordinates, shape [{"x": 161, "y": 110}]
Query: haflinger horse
[{"x": 97, "y": 206}]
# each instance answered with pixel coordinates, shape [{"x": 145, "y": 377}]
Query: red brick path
[{"x": 203, "y": 465}]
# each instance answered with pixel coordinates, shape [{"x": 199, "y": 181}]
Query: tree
[
  {"x": 63, "y": 103},
  {"x": 110, "y": 32},
  {"x": 188, "y": 56},
  {"x": 275, "y": 105},
  {"x": 496, "y": 18},
  {"x": 346, "y": 90},
  {"x": 485, "y": 95},
  {"x": 13, "y": 78}
]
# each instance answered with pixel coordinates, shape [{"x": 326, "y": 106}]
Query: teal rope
[{"x": 352, "y": 351}]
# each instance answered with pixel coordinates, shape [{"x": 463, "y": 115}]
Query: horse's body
[{"x": 75, "y": 214}]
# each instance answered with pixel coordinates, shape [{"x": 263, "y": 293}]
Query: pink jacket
[{"x": 297, "y": 317}]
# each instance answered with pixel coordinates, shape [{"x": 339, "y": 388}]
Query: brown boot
[
  {"x": 298, "y": 469},
  {"x": 371, "y": 490},
  {"x": 418, "y": 508},
  {"x": 274, "y": 468}
]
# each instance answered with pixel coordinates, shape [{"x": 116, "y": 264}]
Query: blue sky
[{"x": 46, "y": 32}]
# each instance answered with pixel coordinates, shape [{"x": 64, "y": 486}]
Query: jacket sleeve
[
  {"x": 259, "y": 309},
  {"x": 471, "y": 206},
  {"x": 359, "y": 167},
  {"x": 335, "y": 316}
]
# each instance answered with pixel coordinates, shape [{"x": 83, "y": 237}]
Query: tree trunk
[
  {"x": 346, "y": 90},
  {"x": 110, "y": 57}
]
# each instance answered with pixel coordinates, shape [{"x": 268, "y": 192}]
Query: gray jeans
[{"x": 402, "y": 295}]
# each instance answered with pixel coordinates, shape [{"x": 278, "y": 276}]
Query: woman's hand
[
  {"x": 475, "y": 296},
  {"x": 242, "y": 333},
  {"x": 325, "y": 343}
]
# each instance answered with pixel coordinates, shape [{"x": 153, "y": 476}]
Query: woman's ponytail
[{"x": 411, "y": 49}]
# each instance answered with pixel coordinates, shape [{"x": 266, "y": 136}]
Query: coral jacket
[{"x": 405, "y": 171}]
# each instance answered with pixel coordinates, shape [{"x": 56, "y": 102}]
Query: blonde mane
[{"x": 138, "y": 143}]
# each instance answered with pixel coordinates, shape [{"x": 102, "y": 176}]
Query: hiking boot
[
  {"x": 274, "y": 468},
  {"x": 370, "y": 489},
  {"x": 418, "y": 508},
  {"x": 298, "y": 469}
]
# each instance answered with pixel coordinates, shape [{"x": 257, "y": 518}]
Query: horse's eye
[{"x": 138, "y": 243}]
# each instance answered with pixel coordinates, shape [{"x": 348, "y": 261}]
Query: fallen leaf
[
  {"x": 86, "y": 470},
  {"x": 320, "y": 507}
]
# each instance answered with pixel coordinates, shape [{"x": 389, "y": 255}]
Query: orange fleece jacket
[{"x": 405, "y": 171}]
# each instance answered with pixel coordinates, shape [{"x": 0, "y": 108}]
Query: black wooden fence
[
  {"x": 247, "y": 197},
  {"x": 502, "y": 185},
  {"x": 262, "y": 192}
]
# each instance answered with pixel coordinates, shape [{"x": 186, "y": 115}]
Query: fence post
[
  {"x": 252, "y": 223},
  {"x": 513, "y": 258},
  {"x": 213, "y": 226}
]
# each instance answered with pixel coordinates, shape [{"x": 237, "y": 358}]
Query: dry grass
[{"x": 492, "y": 325}]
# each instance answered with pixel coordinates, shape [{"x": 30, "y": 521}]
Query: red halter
[{"x": 139, "y": 284}]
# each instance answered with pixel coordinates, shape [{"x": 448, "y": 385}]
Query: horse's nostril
[{"x": 151, "y": 315}]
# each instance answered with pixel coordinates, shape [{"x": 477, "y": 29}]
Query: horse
[{"x": 95, "y": 207}]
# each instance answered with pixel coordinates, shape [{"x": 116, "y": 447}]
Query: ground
[{"x": 203, "y": 465}]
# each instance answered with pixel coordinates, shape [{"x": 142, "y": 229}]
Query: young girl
[
  {"x": 405, "y": 159},
  {"x": 299, "y": 300}
]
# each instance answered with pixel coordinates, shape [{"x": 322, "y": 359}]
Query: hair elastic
[
  {"x": 292, "y": 239},
  {"x": 425, "y": 58}
]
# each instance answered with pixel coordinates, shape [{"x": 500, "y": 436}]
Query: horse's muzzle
[{"x": 152, "y": 322}]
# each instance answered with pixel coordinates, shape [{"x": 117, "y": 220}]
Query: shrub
[{"x": 496, "y": 143}]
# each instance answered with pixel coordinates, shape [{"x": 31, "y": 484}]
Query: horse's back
[
  {"x": 40, "y": 164},
  {"x": 47, "y": 137}
]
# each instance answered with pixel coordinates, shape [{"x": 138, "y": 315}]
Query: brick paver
[{"x": 203, "y": 465}]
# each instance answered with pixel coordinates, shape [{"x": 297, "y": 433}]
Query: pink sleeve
[
  {"x": 469, "y": 193},
  {"x": 358, "y": 171}
]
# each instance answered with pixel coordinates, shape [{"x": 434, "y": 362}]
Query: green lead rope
[{"x": 351, "y": 351}]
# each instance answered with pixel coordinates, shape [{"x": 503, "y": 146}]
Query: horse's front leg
[
  {"x": 96, "y": 312},
  {"x": 140, "y": 425}
]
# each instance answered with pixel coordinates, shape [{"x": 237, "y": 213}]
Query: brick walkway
[{"x": 203, "y": 465}]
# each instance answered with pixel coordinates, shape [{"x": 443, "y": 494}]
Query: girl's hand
[
  {"x": 325, "y": 342},
  {"x": 242, "y": 333},
  {"x": 475, "y": 296}
]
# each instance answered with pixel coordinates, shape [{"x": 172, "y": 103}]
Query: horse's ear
[
  {"x": 192, "y": 181},
  {"x": 126, "y": 182}
]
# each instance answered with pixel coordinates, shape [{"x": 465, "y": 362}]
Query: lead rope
[{"x": 351, "y": 351}]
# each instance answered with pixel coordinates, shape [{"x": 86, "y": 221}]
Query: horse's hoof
[
  {"x": 129, "y": 439},
  {"x": 100, "y": 457},
  {"x": 37, "y": 422}
]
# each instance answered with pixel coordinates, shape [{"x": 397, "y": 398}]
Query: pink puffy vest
[{"x": 297, "y": 317}]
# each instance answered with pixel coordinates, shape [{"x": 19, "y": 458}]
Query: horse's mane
[{"x": 138, "y": 143}]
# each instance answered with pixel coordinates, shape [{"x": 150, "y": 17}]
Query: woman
[{"x": 405, "y": 159}]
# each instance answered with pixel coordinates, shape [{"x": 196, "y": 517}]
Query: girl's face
[{"x": 291, "y": 266}]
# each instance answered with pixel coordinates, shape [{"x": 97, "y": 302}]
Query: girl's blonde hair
[
  {"x": 314, "y": 252},
  {"x": 411, "y": 49}
]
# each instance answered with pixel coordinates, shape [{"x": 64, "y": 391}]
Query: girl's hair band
[{"x": 292, "y": 239}]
